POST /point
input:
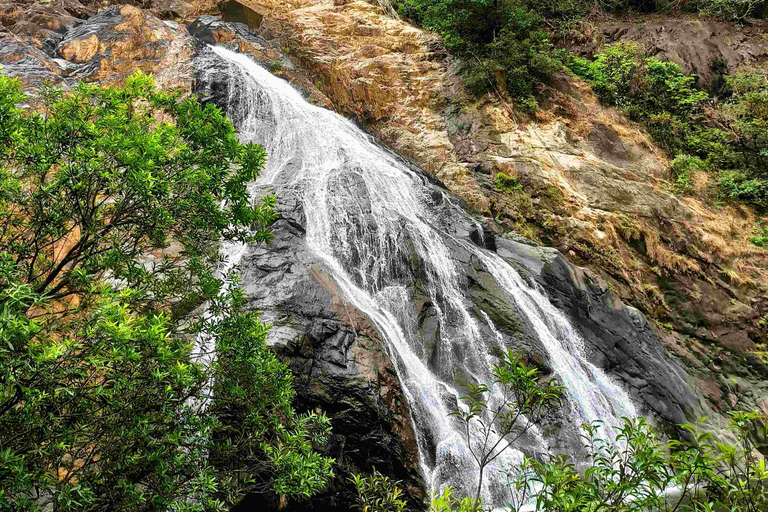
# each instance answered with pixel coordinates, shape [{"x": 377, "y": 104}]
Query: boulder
[
  {"x": 236, "y": 11},
  {"x": 41, "y": 20}
]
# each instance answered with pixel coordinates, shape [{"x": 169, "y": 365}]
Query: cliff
[{"x": 666, "y": 290}]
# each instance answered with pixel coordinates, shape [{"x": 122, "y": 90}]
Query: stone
[
  {"x": 40, "y": 20},
  {"x": 594, "y": 184},
  {"x": 708, "y": 48},
  {"x": 233, "y": 10},
  {"x": 120, "y": 40}
]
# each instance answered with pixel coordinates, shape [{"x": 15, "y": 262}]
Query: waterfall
[{"x": 379, "y": 227}]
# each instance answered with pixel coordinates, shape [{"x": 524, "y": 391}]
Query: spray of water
[{"x": 371, "y": 219}]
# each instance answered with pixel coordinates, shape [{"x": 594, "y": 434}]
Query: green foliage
[
  {"x": 447, "y": 502},
  {"x": 635, "y": 472},
  {"x": 734, "y": 10},
  {"x": 96, "y": 182},
  {"x": 683, "y": 167},
  {"x": 506, "y": 183},
  {"x": 503, "y": 42},
  {"x": 521, "y": 402},
  {"x": 377, "y": 493},
  {"x": 276, "y": 67},
  {"x": 644, "y": 87},
  {"x": 761, "y": 239},
  {"x": 741, "y": 186},
  {"x": 746, "y": 116},
  {"x": 258, "y": 432},
  {"x": 113, "y": 203},
  {"x": 730, "y": 140}
]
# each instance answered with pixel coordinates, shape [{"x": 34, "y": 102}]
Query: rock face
[
  {"x": 707, "y": 48},
  {"x": 120, "y": 40},
  {"x": 339, "y": 363},
  {"x": 595, "y": 187},
  {"x": 107, "y": 47}
]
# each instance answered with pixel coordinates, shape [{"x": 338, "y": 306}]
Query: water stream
[{"x": 375, "y": 223}]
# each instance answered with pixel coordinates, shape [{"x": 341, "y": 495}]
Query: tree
[
  {"x": 113, "y": 203},
  {"x": 102, "y": 177},
  {"x": 523, "y": 403},
  {"x": 637, "y": 472}
]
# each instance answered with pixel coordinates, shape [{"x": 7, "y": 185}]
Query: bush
[
  {"x": 526, "y": 403},
  {"x": 506, "y": 183},
  {"x": 761, "y": 239},
  {"x": 683, "y": 167},
  {"x": 739, "y": 186},
  {"x": 503, "y": 42},
  {"x": 377, "y": 493},
  {"x": 635, "y": 472}
]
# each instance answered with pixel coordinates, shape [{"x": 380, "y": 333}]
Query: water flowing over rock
[
  {"x": 390, "y": 286},
  {"x": 366, "y": 229}
]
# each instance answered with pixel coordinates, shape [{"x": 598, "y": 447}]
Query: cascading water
[{"x": 375, "y": 223}]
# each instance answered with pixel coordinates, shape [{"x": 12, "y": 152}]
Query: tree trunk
[{"x": 476, "y": 504}]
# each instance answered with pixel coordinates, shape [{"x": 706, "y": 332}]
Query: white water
[{"x": 371, "y": 220}]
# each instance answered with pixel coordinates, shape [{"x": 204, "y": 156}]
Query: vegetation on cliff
[
  {"x": 113, "y": 204},
  {"x": 503, "y": 42},
  {"x": 726, "y": 136},
  {"x": 507, "y": 50}
]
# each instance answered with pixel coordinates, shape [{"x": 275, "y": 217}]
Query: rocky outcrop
[
  {"x": 121, "y": 40},
  {"x": 594, "y": 185},
  {"x": 707, "y": 48},
  {"x": 107, "y": 48},
  {"x": 340, "y": 364}
]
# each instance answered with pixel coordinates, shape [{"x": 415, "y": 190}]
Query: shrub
[
  {"x": 525, "y": 404},
  {"x": 739, "y": 186},
  {"x": 761, "y": 239},
  {"x": 447, "y": 502},
  {"x": 635, "y": 472},
  {"x": 506, "y": 183},
  {"x": 377, "y": 493},
  {"x": 503, "y": 42},
  {"x": 683, "y": 167}
]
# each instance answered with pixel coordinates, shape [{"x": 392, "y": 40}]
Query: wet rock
[
  {"x": 339, "y": 363},
  {"x": 209, "y": 30},
  {"x": 24, "y": 60},
  {"x": 621, "y": 339}
]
